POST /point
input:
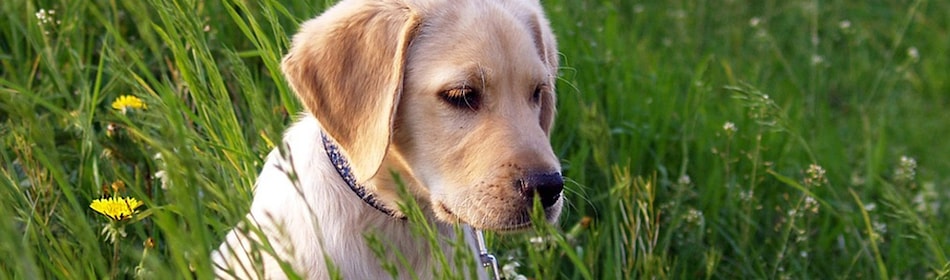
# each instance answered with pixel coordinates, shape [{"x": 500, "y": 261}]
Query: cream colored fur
[{"x": 372, "y": 75}]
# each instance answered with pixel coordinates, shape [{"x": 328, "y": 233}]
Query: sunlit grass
[{"x": 700, "y": 139}]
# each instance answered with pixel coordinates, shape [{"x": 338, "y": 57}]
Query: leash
[{"x": 484, "y": 257}]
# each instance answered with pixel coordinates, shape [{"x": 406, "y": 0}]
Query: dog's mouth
[{"x": 517, "y": 223}]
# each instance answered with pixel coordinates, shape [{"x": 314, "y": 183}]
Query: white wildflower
[
  {"x": 746, "y": 195},
  {"x": 878, "y": 230},
  {"x": 684, "y": 180},
  {"x": 913, "y": 53},
  {"x": 906, "y": 170},
  {"x": 815, "y": 176},
  {"x": 730, "y": 128},
  {"x": 695, "y": 217},
  {"x": 811, "y": 204},
  {"x": 46, "y": 16},
  {"x": 844, "y": 24},
  {"x": 754, "y": 22},
  {"x": 817, "y": 59},
  {"x": 161, "y": 175},
  {"x": 879, "y": 227},
  {"x": 801, "y": 236},
  {"x": 539, "y": 240},
  {"x": 510, "y": 271}
]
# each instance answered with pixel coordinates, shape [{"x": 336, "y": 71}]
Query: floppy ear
[{"x": 346, "y": 66}]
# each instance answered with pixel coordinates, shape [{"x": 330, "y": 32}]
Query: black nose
[{"x": 547, "y": 186}]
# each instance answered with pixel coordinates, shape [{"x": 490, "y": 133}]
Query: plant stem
[{"x": 115, "y": 258}]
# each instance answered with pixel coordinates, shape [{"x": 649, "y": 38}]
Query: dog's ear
[{"x": 346, "y": 66}]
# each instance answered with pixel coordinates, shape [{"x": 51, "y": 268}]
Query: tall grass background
[{"x": 699, "y": 139}]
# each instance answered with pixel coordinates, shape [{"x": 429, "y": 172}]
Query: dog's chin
[{"x": 514, "y": 222}]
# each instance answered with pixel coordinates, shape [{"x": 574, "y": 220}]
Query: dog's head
[{"x": 456, "y": 96}]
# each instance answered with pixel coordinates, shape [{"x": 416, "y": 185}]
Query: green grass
[{"x": 657, "y": 187}]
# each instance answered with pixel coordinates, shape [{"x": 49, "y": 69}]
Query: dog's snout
[{"x": 547, "y": 186}]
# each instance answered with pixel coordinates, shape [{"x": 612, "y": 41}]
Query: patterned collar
[{"x": 342, "y": 167}]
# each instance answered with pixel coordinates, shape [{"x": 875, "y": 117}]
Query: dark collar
[{"x": 342, "y": 167}]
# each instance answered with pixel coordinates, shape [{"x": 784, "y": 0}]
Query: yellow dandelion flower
[
  {"x": 116, "y": 208},
  {"x": 126, "y": 102}
]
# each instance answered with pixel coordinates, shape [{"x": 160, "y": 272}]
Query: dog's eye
[
  {"x": 462, "y": 98},
  {"x": 536, "y": 96}
]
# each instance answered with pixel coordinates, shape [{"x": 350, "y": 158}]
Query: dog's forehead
[{"x": 484, "y": 39}]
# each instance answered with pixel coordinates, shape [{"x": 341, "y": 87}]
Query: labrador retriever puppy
[{"x": 456, "y": 97}]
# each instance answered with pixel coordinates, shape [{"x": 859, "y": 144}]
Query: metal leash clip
[{"x": 485, "y": 258}]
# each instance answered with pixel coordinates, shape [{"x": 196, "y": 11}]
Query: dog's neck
[{"x": 342, "y": 166}]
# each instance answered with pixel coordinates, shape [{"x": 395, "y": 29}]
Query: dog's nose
[{"x": 548, "y": 186}]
